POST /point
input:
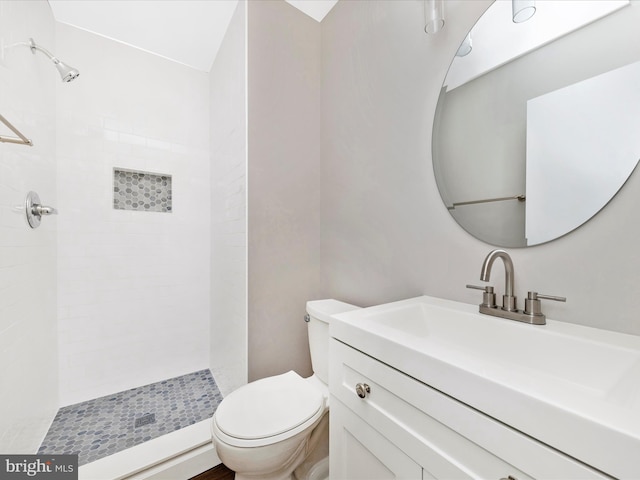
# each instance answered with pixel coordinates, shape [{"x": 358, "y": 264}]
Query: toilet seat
[{"x": 268, "y": 411}]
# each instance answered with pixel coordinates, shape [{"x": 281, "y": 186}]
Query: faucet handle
[
  {"x": 536, "y": 295},
  {"x": 487, "y": 288},
  {"x": 488, "y": 297},
  {"x": 532, "y": 302}
]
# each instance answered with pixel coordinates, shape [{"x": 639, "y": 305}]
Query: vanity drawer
[{"x": 446, "y": 437}]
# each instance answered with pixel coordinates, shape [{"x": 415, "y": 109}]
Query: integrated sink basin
[
  {"x": 570, "y": 356},
  {"x": 572, "y": 387}
]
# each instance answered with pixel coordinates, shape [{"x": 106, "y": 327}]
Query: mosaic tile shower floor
[{"x": 100, "y": 427}]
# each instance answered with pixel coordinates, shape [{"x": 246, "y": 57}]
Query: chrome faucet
[
  {"x": 532, "y": 312},
  {"x": 508, "y": 299}
]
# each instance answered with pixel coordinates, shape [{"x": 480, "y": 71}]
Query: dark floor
[
  {"x": 216, "y": 473},
  {"x": 100, "y": 427}
]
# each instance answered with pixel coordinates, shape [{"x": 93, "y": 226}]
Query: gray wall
[
  {"x": 363, "y": 221},
  {"x": 386, "y": 232},
  {"x": 284, "y": 184},
  {"x": 228, "y": 344}
]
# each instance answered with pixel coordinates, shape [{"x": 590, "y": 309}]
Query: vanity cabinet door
[{"x": 359, "y": 452}]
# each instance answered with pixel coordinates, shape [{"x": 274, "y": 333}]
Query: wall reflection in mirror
[{"x": 537, "y": 124}]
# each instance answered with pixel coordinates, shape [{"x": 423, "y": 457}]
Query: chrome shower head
[{"x": 67, "y": 73}]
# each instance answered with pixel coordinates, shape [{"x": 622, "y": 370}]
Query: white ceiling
[
  {"x": 316, "y": 9},
  {"x": 186, "y": 31}
]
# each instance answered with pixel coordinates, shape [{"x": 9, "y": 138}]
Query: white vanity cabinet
[{"x": 403, "y": 428}]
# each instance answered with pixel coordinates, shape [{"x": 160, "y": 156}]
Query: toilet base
[
  {"x": 320, "y": 471},
  {"x": 311, "y": 467}
]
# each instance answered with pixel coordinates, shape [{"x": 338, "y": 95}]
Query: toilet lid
[{"x": 268, "y": 407}]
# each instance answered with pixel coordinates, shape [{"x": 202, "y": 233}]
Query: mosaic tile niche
[{"x": 141, "y": 191}]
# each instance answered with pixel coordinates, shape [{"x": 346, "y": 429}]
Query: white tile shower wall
[
  {"x": 228, "y": 209},
  {"x": 133, "y": 286},
  {"x": 28, "y": 347}
]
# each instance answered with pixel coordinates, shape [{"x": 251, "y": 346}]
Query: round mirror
[{"x": 537, "y": 125}]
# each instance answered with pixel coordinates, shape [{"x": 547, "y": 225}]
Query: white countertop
[{"x": 574, "y": 388}]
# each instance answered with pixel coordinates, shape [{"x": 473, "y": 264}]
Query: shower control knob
[
  {"x": 362, "y": 389},
  {"x": 34, "y": 210},
  {"x": 41, "y": 210}
]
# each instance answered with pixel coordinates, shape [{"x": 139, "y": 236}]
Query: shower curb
[{"x": 180, "y": 454}]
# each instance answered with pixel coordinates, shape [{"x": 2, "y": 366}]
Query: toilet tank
[{"x": 320, "y": 312}]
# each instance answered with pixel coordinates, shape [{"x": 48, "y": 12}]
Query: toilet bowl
[{"x": 277, "y": 428}]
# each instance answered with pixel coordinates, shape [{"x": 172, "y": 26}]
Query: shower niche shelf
[{"x": 141, "y": 191}]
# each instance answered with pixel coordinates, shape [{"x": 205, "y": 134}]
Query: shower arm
[{"x": 33, "y": 46}]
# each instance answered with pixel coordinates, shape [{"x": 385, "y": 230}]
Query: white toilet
[{"x": 277, "y": 428}]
